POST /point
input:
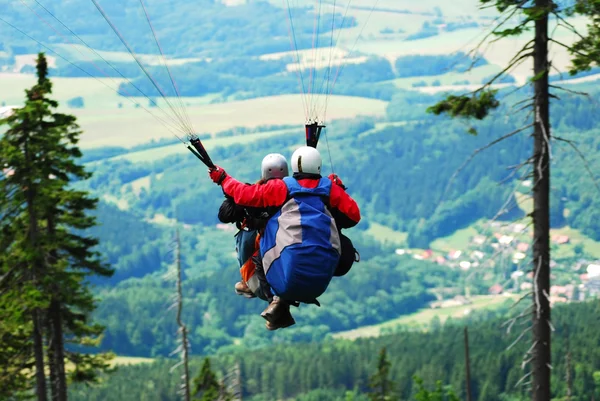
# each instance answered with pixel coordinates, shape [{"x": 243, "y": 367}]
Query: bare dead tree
[
  {"x": 232, "y": 384},
  {"x": 183, "y": 348},
  {"x": 480, "y": 102}
]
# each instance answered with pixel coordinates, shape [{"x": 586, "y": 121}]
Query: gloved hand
[
  {"x": 217, "y": 175},
  {"x": 336, "y": 180}
]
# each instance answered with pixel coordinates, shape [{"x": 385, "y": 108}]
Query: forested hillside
[
  {"x": 399, "y": 166},
  {"x": 334, "y": 367},
  {"x": 412, "y": 149}
]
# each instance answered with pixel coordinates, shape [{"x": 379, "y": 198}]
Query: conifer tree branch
[
  {"x": 582, "y": 157},
  {"x": 563, "y": 22},
  {"x": 476, "y": 152},
  {"x": 514, "y": 62},
  {"x": 574, "y": 92},
  {"x": 569, "y": 48}
]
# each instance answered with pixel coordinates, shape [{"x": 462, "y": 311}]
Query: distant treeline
[{"x": 326, "y": 371}]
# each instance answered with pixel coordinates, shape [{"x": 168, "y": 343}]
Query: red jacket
[{"x": 274, "y": 193}]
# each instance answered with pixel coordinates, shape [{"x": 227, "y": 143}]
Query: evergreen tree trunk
[
  {"x": 38, "y": 344},
  {"x": 38, "y": 350},
  {"x": 51, "y": 359},
  {"x": 56, "y": 329},
  {"x": 541, "y": 209},
  {"x": 58, "y": 350}
]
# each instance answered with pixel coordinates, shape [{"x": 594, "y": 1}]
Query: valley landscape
[{"x": 442, "y": 246}]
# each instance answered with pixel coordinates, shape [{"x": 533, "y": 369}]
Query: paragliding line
[
  {"x": 116, "y": 31},
  {"x": 175, "y": 121},
  {"x": 183, "y": 109},
  {"x": 86, "y": 72},
  {"x": 342, "y": 65},
  {"x": 294, "y": 45}
]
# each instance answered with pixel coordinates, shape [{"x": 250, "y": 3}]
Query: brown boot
[
  {"x": 274, "y": 310},
  {"x": 242, "y": 288},
  {"x": 284, "y": 320}
]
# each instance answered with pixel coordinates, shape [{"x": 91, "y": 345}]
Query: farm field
[
  {"x": 105, "y": 124},
  {"x": 421, "y": 320}
]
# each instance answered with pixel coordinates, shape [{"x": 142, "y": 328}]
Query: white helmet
[
  {"x": 274, "y": 165},
  {"x": 306, "y": 160}
]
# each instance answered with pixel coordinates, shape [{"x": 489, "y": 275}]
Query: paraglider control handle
[{"x": 200, "y": 152}]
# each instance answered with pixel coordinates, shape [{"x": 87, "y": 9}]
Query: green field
[
  {"x": 130, "y": 360},
  {"x": 475, "y": 76},
  {"x": 460, "y": 239},
  {"x": 104, "y": 124},
  {"x": 421, "y": 320},
  {"x": 385, "y": 234},
  {"x": 590, "y": 247},
  {"x": 164, "y": 151}
]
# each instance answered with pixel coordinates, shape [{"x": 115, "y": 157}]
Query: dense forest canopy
[{"x": 335, "y": 367}]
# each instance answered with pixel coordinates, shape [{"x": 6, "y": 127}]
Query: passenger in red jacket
[
  {"x": 306, "y": 166},
  {"x": 275, "y": 193}
]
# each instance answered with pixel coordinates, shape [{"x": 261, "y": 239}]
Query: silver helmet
[{"x": 274, "y": 165}]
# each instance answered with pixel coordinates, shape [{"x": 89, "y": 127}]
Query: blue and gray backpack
[{"x": 300, "y": 247}]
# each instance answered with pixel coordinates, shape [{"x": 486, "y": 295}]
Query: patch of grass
[
  {"x": 96, "y": 93},
  {"x": 76, "y": 52},
  {"x": 421, "y": 320},
  {"x": 525, "y": 202},
  {"x": 590, "y": 247},
  {"x": 130, "y": 360},
  {"x": 158, "y": 153},
  {"x": 475, "y": 76},
  {"x": 385, "y": 234},
  {"x": 381, "y": 126},
  {"x": 459, "y": 240},
  {"x": 130, "y": 127},
  {"x": 139, "y": 184}
]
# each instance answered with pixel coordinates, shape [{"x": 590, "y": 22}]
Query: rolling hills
[{"x": 242, "y": 94}]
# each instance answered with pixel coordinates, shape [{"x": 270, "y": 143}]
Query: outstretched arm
[{"x": 271, "y": 194}]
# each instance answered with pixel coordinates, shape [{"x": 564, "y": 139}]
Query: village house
[
  {"x": 593, "y": 270},
  {"x": 526, "y": 286},
  {"x": 453, "y": 255},
  {"x": 496, "y": 289},
  {"x": 518, "y": 228},
  {"x": 517, "y": 256},
  {"x": 477, "y": 255},
  {"x": 479, "y": 239},
  {"x": 560, "y": 239}
]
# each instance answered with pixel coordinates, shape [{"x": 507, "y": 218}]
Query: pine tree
[
  {"x": 382, "y": 387},
  {"x": 54, "y": 259},
  {"x": 207, "y": 387}
]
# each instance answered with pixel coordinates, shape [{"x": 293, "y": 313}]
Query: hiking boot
[
  {"x": 274, "y": 310},
  {"x": 242, "y": 288},
  {"x": 285, "y": 319}
]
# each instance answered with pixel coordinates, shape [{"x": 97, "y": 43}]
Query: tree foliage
[{"x": 47, "y": 253}]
